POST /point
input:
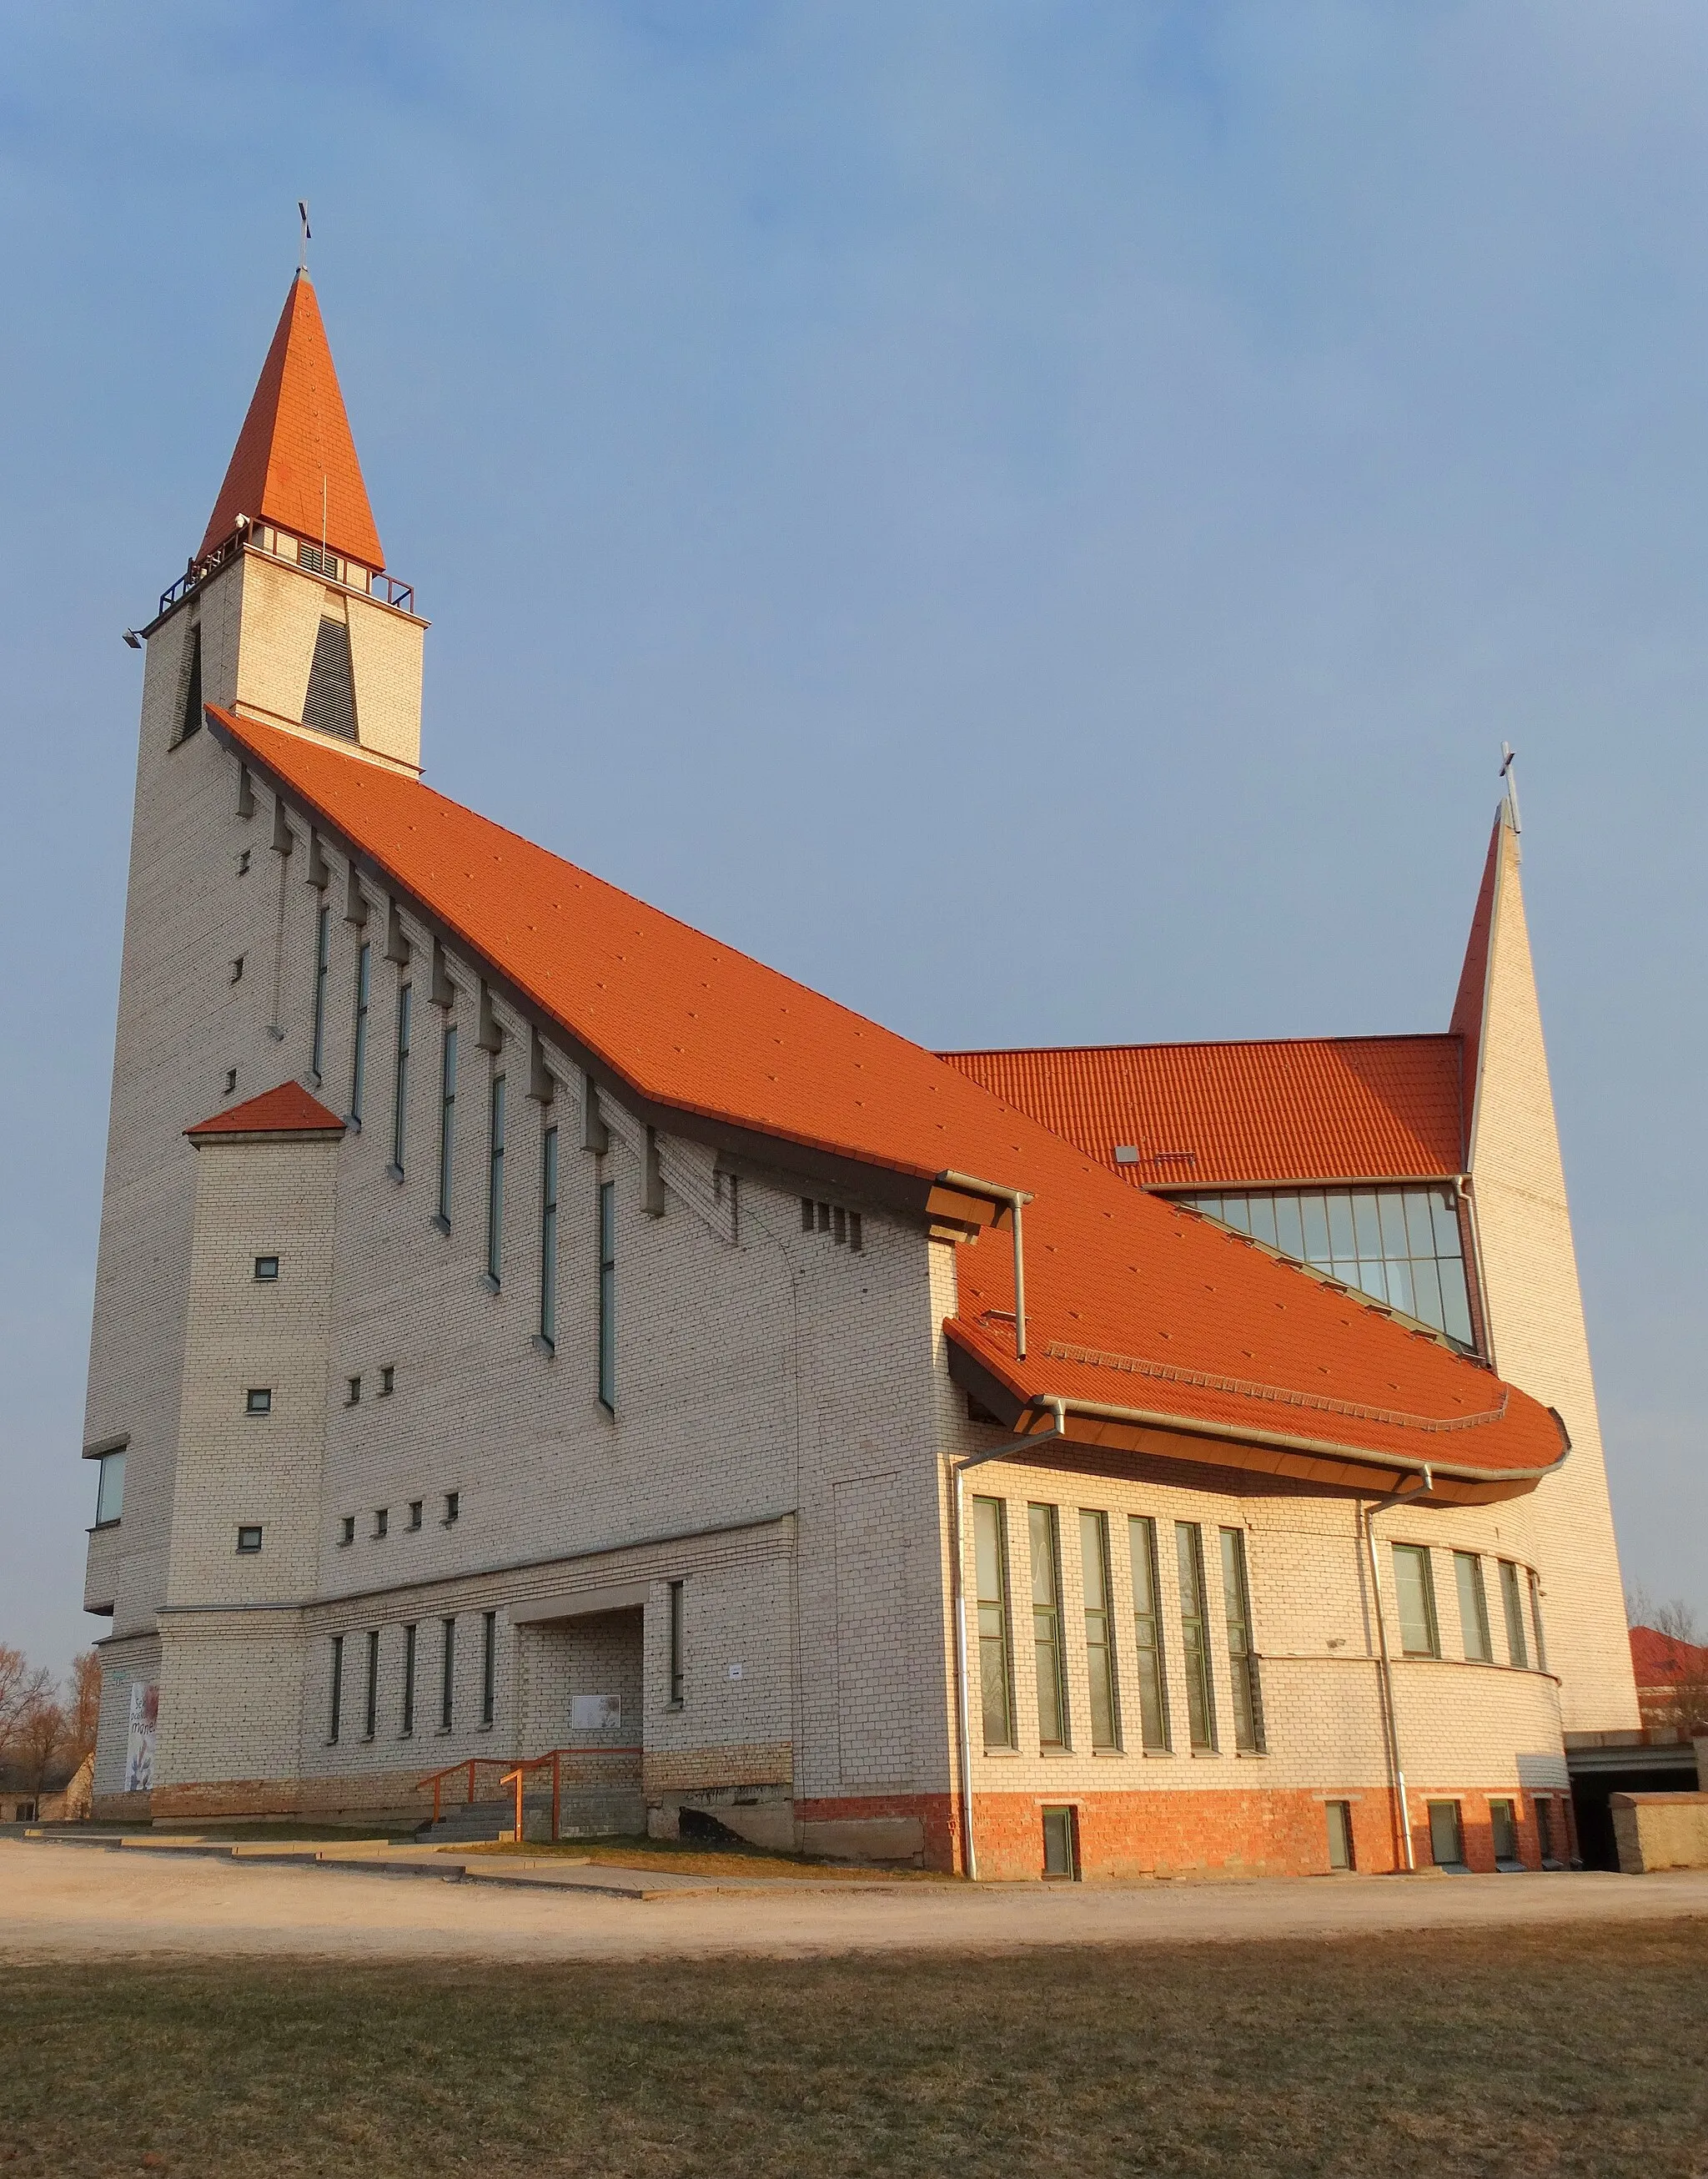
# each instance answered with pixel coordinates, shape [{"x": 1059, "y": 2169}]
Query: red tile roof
[
  {"x": 1132, "y": 1303},
  {"x": 289, "y": 1110},
  {"x": 1205, "y": 1116},
  {"x": 295, "y": 461},
  {"x": 1660, "y": 1660}
]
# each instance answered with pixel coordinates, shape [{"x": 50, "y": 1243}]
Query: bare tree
[
  {"x": 83, "y": 1705},
  {"x": 40, "y": 1735},
  {"x": 1687, "y": 1668},
  {"x": 21, "y": 1689}
]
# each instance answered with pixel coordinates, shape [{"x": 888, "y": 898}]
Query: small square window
[
  {"x": 238, "y": 969},
  {"x": 453, "y": 1506},
  {"x": 248, "y": 1539},
  {"x": 266, "y": 1269},
  {"x": 387, "y": 1385},
  {"x": 415, "y": 1512},
  {"x": 347, "y": 1530},
  {"x": 383, "y": 1519},
  {"x": 352, "y": 1390},
  {"x": 231, "y": 1081},
  {"x": 259, "y": 1400}
]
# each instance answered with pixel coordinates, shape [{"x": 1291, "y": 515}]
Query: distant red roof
[
  {"x": 1660, "y": 1660},
  {"x": 289, "y": 1110},
  {"x": 1205, "y": 1116},
  {"x": 1132, "y": 1303},
  {"x": 295, "y": 461}
]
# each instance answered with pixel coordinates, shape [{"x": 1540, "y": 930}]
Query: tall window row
[
  {"x": 414, "y": 1637},
  {"x": 1420, "y": 1614},
  {"x": 1161, "y": 1682}
]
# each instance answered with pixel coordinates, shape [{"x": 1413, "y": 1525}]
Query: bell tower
[{"x": 287, "y": 611}]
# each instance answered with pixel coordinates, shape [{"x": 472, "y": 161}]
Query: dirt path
[{"x": 70, "y": 1903}]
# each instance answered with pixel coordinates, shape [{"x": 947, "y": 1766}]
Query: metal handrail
[
  {"x": 471, "y": 1764},
  {"x": 554, "y": 1756},
  {"x": 378, "y": 583}
]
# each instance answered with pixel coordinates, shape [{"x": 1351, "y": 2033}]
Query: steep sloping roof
[
  {"x": 1471, "y": 1001},
  {"x": 1661, "y": 1660},
  {"x": 295, "y": 461},
  {"x": 1306, "y": 1109},
  {"x": 289, "y": 1110},
  {"x": 1131, "y": 1301}
]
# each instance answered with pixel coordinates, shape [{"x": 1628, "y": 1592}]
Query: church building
[{"x": 531, "y": 1335}]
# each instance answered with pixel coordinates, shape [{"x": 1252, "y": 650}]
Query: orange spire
[{"x": 295, "y": 461}]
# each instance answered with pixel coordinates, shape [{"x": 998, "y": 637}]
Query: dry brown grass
[
  {"x": 684, "y": 1858},
  {"x": 1521, "y": 2051}
]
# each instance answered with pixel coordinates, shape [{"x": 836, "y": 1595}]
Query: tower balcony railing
[{"x": 295, "y": 551}]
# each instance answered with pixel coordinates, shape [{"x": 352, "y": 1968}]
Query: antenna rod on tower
[
  {"x": 308, "y": 236},
  {"x": 1510, "y": 780}
]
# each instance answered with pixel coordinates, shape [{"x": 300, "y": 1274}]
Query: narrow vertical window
[
  {"x": 495, "y": 1185},
  {"x": 358, "y": 1048},
  {"x": 336, "y": 1719},
  {"x": 1147, "y": 1633},
  {"x": 408, "y": 1679},
  {"x": 607, "y": 1294},
  {"x": 1045, "y": 1529},
  {"x": 995, "y": 1648},
  {"x": 1536, "y": 1621},
  {"x": 371, "y": 1708},
  {"x": 400, "y": 1083},
  {"x": 1100, "y": 1628},
  {"x": 1413, "y": 1583},
  {"x": 323, "y": 969},
  {"x": 489, "y": 1666},
  {"x": 1242, "y": 1649},
  {"x": 1473, "y": 1607},
  {"x": 1545, "y": 1831},
  {"x": 448, "y": 1678},
  {"x": 447, "y": 1123},
  {"x": 677, "y": 1675},
  {"x": 1341, "y": 1853},
  {"x": 548, "y": 1239},
  {"x": 1512, "y": 1604},
  {"x": 1195, "y": 1636}
]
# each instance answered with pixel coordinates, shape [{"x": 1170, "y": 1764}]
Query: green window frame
[
  {"x": 1473, "y": 1608},
  {"x": 1413, "y": 1589},
  {"x": 1194, "y": 1638},
  {"x": 1242, "y": 1647},
  {"x": 995, "y": 1639},
  {"x": 1147, "y": 1635},
  {"x": 1100, "y": 1629},
  {"x": 1043, "y": 1525}
]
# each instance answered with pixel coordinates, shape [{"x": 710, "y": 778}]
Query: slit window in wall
[
  {"x": 1100, "y": 1629},
  {"x": 1044, "y": 1527},
  {"x": 453, "y": 1506},
  {"x": 995, "y": 1641},
  {"x": 1473, "y": 1607},
  {"x": 237, "y": 970},
  {"x": 1544, "y": 1834},
  {"x": 335, "y": 1693},
  {"x": 371, "y": 1707},
  {"x": 1413, "y": 1583},
  {"x": 415, "y": 1505},
  {"x": 1445, "y": 1835},
  {"x": 1242, "y": 1648},
  {"x": 1341, "y": 1855},
  {"x": 1147, "y": 1635},
  {"x": 353, "y": 1391},
  {"x": 607, "y": 1295},
  {"x": 231, "y": 1081},
  {"x": 243, "y": 862},
  {"x": 266, "y": 1270},
  {"x": 447, "y": 1676},
  {"x": 382, "y": 1520},
  {"x": 1512, "y": 1604},
  {"x": 323, "y": 969},
  {"x": 678, "y": 1678},
  {"x": 447, "y": 1123},
  {"x": 494, "y": 1185},
  {"x": 489, "y": 1666},
  {"x": 400, "y": 1083},
  {"x": 248, "y": 1541},
  {"x": 548, "y": 1238},
  {"x": 259, "y": 1400},
  {"x": 358, "y": 1048},
  {"x": 408, "y": 1721},
  {"x": 1537, "y": 1622},
  {"x": 1194, "y": 1637},
  {"x": 189, "y": 705},
  {"x": 347, "y": 1530},
  {"x": 109, "y": 1489},
  {"x": 805, "y": 1214},
  {"x": 388, "y": 1380}
]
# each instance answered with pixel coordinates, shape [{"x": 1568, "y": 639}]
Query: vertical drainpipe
[{"x": 1384, "y": 1662}]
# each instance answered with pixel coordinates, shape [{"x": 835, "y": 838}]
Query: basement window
[
  {"x": 248, "y": 1541},
  {"x": 259, "y": 1400}
]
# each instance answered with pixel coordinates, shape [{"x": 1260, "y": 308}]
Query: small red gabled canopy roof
[
  {"x": 1133, "y": 1304},
  {"x": 1284, "y": 1111},
  {"x": 289, "y": 1110},
  {"x": 295, "y": 461}
]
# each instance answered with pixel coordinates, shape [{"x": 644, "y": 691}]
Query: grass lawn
[
  {"x": 689, "y": 1858},
  {"x": 1577, "y": 2050}
]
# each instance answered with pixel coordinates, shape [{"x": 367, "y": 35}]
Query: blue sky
[{"x": 1035, "y": 519}]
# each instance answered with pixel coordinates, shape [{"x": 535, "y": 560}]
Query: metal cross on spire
[
  {"x": 308, "y": 236},
  {"x": 1509, "y": 779}
]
